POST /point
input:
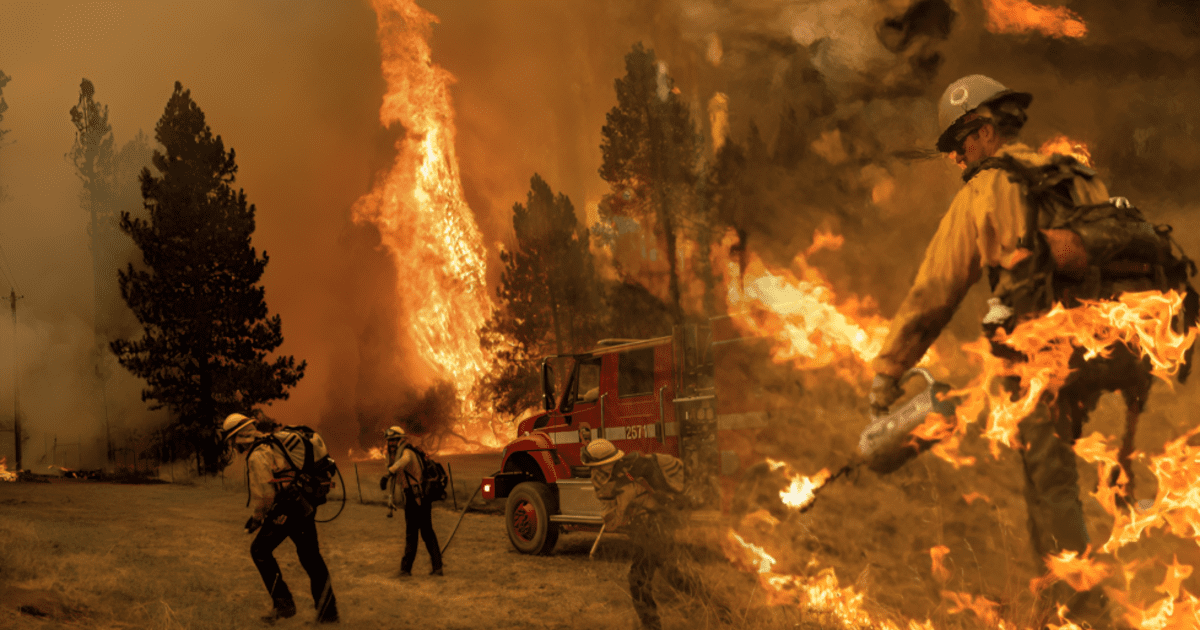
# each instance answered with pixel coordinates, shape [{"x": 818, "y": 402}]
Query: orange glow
[
  {"x": 1022, "y": 16},
  {"x": 800, "y": 311},
  {"x": 939, "y": 570},
  {"x": 1066, "y": 146},
  {"x": 4, "y": 474},
  {"x": 972, "y": 497},
  {"x": 424, "y": 221}
]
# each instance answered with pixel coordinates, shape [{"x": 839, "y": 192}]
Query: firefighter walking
[
  {"x": 406, "y": 478},
  {"x": 640, "y": 493},
  {"x": 1033, "y": 260},
  {"x": 280, "y": 512}
]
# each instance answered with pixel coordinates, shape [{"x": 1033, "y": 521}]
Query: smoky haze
[{"x": 294, "y": 89}]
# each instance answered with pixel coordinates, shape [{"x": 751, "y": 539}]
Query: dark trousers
[
  {"x": 418, "y": 520},
  {"x": 303, "y": 532},
  {"x": 656, "y": 553}
]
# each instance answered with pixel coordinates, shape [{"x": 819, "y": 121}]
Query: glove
[
  {"x": 884, "y": 391},
  {"x": 383, "y": 483},
  {"x": 252, "y": 524}
]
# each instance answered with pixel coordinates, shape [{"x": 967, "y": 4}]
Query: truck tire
[{"x": 527, "y": 518}]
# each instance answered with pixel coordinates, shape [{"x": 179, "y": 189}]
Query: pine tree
[
  {"x": 206, "y": 333},
  {"x": 649, "y": 147},
  {"x": 548, "y": 293}
]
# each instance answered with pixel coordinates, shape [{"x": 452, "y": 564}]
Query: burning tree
[
  {"x": 649, "y": 147},
  {"x": 548, "y": 292},
  {"x": 206, "y": 333}
]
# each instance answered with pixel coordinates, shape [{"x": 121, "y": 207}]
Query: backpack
[
  {"x": 313, "y": 475},
  {"x": 433, "y": 476},
  {"x": 1086, "y": 251}
]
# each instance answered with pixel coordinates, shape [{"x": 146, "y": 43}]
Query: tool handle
[{"x": 922, "y": 372}]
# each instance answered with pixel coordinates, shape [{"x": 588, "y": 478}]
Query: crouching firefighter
[
  {"x": 1045, "y": 230},
  {"x": 643, "y": 496},
  {"x": 406, "y": 475},
  {"x": 283, "y": 508}
]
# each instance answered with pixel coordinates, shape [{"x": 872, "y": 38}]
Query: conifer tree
[{"x": 206, "y": 333}]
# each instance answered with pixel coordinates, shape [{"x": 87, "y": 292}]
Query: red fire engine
[{"x": 687, "y": 395}]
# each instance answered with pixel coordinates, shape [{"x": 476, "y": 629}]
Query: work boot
[
  {"x": 405, "y": 573},
  {"x": 437, "y": 571},
  {"x": 283, "y": 609}
]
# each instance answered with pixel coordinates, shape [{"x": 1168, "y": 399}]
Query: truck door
[
  {"x": 579, "y": 414},
  {"x": 640, "y": 418}
]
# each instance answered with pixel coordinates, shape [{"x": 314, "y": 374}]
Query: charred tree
[
  {"x": 206, "y": 333},
  {"x": 649, "y": 147},
  {"x": 548, "y": 293}
]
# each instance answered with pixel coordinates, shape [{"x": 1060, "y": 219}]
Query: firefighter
[
  {"x": 406, "y": 478},
  {"x": 641, "y": 493},
  {"x": 985, "y": 229},
  {"x": 281, "y": 513}
]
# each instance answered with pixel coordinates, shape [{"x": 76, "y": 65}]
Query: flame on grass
[
  {"x": 423, "y": 219},
  {"x": 1142, "y": 321},
  {"x": 1022, "y": 16},
  {"x": 373, "y": 454},
  {"x": 5, "y": 475},
  {"x": 939, "y": 569},
  {"x": 799, "y": 309}
]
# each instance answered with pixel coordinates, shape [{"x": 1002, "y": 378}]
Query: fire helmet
[
  {"x": 600, "y": 452},
  {"x": 233, "y": 424},
  {"x": 395, "y": 432},
  {"x": 964, "y": 96}
]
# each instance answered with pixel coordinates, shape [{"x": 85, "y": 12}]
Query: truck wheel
[{"x": 527, "y": 518}]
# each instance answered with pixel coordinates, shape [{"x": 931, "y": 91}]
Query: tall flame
[
  {"x": 420, "y": 211},
  {"x": 1022, "y": 16}
]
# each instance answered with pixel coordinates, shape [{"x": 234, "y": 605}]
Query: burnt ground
[{"x": 98, "y": 555}]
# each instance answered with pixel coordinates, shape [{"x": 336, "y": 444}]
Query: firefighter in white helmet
[
  {"x": 406, "y": 478},
  {"x": 990, "y": 226},
  {"x": 642, "y": 496},
  {"x": 278, "y": 514}
]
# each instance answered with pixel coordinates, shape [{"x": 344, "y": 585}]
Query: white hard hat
[
  {"x": 234, "y": 423},
  {"x": 964, "y": 96},
  {"x": 600, "y": 452},
  {"x": 394, "y": 432}
]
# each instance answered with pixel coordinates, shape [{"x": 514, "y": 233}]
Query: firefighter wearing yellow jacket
[
  {"x": 985, "y": 229},
  {"x": 639, "y": 492}
]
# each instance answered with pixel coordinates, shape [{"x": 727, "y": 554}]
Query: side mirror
[{"x": 548, "y": 402}]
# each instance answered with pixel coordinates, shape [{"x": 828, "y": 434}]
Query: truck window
[
  {"x": 589, "y": 381},
  {"x": 635, "y": 373}
]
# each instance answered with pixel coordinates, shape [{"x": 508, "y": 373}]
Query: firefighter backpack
[
  {"x": 1087, "y": 251},
  {"x": 311, "y": 464},
  {"x": 433, "y": 473}
]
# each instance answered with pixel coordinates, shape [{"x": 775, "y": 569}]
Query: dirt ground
[{"x": 97, "y": 555}]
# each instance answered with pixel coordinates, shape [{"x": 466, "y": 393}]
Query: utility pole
[{"x": 12, "y": 298}]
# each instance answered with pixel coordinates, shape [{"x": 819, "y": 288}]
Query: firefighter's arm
[
  {"x": 262, "y": 491},
  {"x": 951, "y": 265},
  {"x": 402, "y": 462}
]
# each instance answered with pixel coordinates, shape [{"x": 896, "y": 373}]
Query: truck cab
[{"x": 656, "y": 395}]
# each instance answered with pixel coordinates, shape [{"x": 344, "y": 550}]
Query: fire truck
[{"x": 690, "y": 395}]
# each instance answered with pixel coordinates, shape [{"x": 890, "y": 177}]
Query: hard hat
[
  {"x": 600, "y": 452},
  {"x": 965, "y": 95},
  {"x": 394, "y": 432},
  {"x": 234, "y": 423}
]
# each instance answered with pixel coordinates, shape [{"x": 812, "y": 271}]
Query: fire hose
[{"x": 460, "y": 518}]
